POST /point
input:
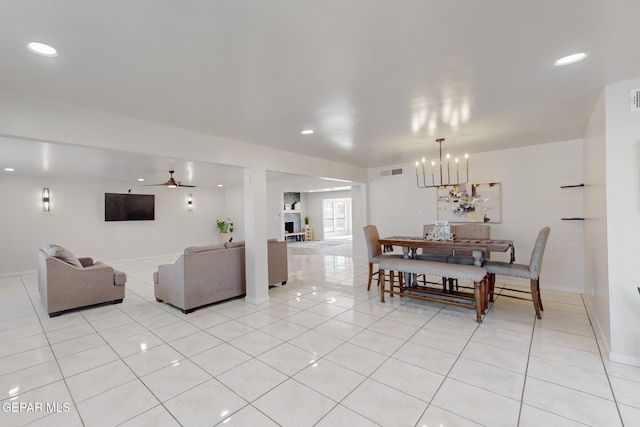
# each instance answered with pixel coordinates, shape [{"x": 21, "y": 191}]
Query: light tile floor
[{"x": 323, "y": 351}]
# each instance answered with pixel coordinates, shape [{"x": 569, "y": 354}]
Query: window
[{"x": 336, "y": 216}]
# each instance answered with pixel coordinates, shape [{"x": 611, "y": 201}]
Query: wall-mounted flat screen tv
[{"x": 129, "y": 207}]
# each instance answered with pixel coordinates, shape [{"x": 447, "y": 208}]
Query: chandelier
[{"x": 441, "y": 172}]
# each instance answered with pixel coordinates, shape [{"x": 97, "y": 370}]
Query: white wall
[
  {"x": 311, "y": 202},
  {"x": 623, "y": 220},
  {"x": 314, "y": 209},
  {"x": 530, "y": 178},
  {"x": 595, "y": 232},
  {"x": 234, "y": 208},
  {"x": 76, "y": 221}
]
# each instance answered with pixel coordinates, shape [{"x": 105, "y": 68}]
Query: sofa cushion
[
  {"x": 61, "y": 253},
  {"x": 196, "y": 249}
]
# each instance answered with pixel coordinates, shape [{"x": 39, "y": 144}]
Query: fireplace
[{"x": 288, "y": 227}]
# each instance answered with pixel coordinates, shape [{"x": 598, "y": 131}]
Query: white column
[
  {"x": 358, "y": 221},
  {"x": 255, "y": 221}
]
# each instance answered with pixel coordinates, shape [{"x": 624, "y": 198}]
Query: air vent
[
  {"x": 634, "y": 96},
  {"x": 391, "y": 172}
]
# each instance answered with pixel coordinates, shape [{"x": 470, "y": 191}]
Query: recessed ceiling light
[
  {"x": 307, "y": 132},
  {"x": 571, "y": 59},
  {"x": 141, "y": 179},
  {"x": 9, "y": 170},
  {"x": 42, "y": 49},
  {"x": 220, "y": 185}
]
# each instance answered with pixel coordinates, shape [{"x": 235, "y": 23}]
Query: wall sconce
[
  {"x": 46, "y": 201},
  {"x": 190, "y": 202}
]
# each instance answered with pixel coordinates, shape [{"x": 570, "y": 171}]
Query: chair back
[
  {"x": 373, "y": 241},
  {"x": 427, "y": 229},
  {"x": 538, "y": 250},
  {"x": 471, "y": 231}
]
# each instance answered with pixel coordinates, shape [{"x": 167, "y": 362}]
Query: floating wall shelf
[{"x": 572, "y": 218}]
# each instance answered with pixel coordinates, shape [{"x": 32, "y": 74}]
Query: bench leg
[
  {"x": 477, "y": 296},
  {"x": 492, "y": 285},
  {"x": 484, "y": 285}
]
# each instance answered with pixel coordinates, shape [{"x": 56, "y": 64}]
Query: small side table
[{"x": 308, "y": 235}]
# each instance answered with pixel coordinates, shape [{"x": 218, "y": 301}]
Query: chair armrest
[
  {"x": 169, "y": 282},
  {"x": 69, "y": 277},
  {"x": 98, "y": 265}
]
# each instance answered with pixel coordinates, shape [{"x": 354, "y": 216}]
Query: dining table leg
[
  {"x": 478, "y": 259},
  {"x": 405, "y": 252},
  {"x": 412, "y": 279}
]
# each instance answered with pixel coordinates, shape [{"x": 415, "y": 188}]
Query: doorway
[{"x": 336, "y": 218}]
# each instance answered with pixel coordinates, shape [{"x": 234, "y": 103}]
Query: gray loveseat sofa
[
  {"x": 205, "y": 275},
  {"x": 66, "y": 282}
]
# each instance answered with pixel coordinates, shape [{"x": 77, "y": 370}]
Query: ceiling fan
[{"x": 172, "y": 183}]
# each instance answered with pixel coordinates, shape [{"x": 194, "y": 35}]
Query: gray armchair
[{"x": 66, "y": 282}]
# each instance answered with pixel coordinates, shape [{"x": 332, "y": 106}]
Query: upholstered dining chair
[
  {"x": 471, "y": 232},
  {"x": 375, "y": 251},
  {"x": 468, "y": 231},
  {"x": 433, "y": 254},
  {"x": 531, "y": 271}
]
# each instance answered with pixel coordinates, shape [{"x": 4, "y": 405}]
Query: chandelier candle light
[{"x": 440, "y": 166}]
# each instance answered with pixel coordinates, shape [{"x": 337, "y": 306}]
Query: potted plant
[
  {"x": 225, "y": 227},
  {"x": 306, "y": 222}
]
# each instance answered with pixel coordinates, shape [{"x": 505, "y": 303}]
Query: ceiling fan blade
[
  {"x": 171, "y": 182},
  {"x": 163, "y": 184}
]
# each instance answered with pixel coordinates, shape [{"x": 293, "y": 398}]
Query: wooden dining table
[{"x": 478, "y": 247}]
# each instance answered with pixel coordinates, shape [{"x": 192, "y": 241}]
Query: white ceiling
[
  {"x": 30, "y": 158},
  {"x": 377, "y": 80}
]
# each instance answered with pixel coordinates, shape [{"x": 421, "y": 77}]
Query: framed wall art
[{"x": 470, "y": 203}]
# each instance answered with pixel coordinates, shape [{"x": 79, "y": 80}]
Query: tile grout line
[
  {"x": 55, "y": 357},
  {"x": 604, "y": 366},
  {"x": 526, "y": 370}
]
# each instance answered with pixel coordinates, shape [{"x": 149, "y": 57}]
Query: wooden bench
[{"x": 477, "y": 275}]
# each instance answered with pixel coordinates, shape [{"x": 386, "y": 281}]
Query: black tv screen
[{"x": 129, "y": 207}]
